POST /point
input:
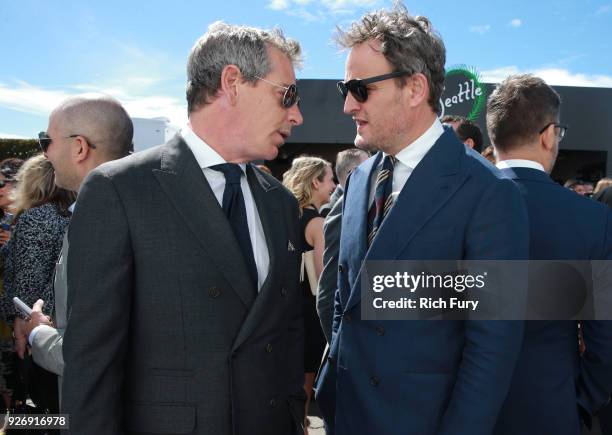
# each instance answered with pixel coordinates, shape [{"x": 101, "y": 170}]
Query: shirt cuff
[{"x": 33, "y": 334}]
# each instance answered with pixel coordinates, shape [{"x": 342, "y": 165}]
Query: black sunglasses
[
  {"x": 359, "y": 87},
  {"x": 562, "y": 129},
  {"x": 290, "y": 97},
  {"x": 5, "y": 182},
  {"x": 44, "y": 140}
]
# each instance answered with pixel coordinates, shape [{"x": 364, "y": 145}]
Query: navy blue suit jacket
[
  {"x": 551, "y": 379},
  {"x": 424, "y": 377}
]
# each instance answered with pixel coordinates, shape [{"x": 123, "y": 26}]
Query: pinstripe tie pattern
[{"x": 383, "y": 200}]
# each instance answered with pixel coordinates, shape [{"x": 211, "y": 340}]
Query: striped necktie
[{"x": 382, "y": 197}]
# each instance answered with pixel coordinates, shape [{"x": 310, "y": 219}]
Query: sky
[{"x": 136, "y": 51}]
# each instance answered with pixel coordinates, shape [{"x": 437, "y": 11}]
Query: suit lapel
[
  {"x": 186, "y": 187},
  {"x": 267, "y": 201},
  {"x": 353, "y": 240},
  {"x": 432, "y": 183}
]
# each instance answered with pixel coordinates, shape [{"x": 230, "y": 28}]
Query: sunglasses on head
[
  {"x": 359, "y": 87},
  {"x": 44, "y": 140},
  {"x": 290, "y": 97}
]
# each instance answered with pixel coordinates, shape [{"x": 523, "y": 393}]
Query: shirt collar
[
  {"x": 203, "y": 153},
  {"x": 412, "y": 154},
  {"x": 519, "y": 163}
]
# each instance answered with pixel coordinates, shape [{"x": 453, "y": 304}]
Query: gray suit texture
[
  {"x": 166, "y": 333},
  {"x": 47, "y": 343},
  {"x": 328, "y": 282}
]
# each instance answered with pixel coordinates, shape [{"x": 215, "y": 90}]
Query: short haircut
[
  {"x": 408, "y": 43},
  {"x": 226, "y": 44},
  {"x": 518, "y": 109},
  {"x": 346, "y": 161},
  {"x": 102, "y": 120},
  {"x": 466, "y": 129}
]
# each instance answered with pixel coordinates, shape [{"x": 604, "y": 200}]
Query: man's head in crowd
[
  {"x": 523, "y": 120},
  {"x": 83, "y": 133},
  {"x": 581, "y": 187},
  {"x": 467, "y": 131},
  {"x": 348, "y": 160},
  {"x": 394, "y": 77},
  {"x": 241, "y": 91}
]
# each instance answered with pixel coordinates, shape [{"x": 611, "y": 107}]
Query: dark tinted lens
[
  {"x": 342, "y": 89},
  {"x": 2, "y": 184},
  {"x": 44, "y": 141},
  {"x": 290, "y": 97},
  {"x": 358, "y": 90}
]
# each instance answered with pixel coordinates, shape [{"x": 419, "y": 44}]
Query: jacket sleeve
[
  {"x": 499, "y": 230},
  {"x": 100, "y": 279},
  {"x": 47, "y": 349},
  {"x": 328, "y": 283}
]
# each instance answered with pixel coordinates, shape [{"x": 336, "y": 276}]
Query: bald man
[{"x": 83, "y": 133}]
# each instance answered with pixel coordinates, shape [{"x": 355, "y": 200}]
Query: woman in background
[
  {"x": 41, "y": 217},
  {"x": 8, "y": 381},
  {"x": 310, "y": 179}
]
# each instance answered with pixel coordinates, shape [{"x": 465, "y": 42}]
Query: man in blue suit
[
  {"x": 442, "y": 202},
  {"x": 553, "y": 385}
]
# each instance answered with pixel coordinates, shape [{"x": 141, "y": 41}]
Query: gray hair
[
  {"x": 225, "y": 44},
  {"x": 519, "y": 108},
  {"x": 102, "y": 120},
  {"x": 346, "y": 161},
  {"x": 409, "y": 43}
]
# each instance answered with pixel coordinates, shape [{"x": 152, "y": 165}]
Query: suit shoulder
[
  {"x": 140, "y": 161},
  {"x": 275, "y": 183}
]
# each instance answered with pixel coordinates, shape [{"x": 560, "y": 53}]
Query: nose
[
  {"x": 351, "y": 105},
  {"x": 295, "y": 116}
]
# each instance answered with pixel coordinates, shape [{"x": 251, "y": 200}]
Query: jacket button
[
  {"x": 380, "y": 330},
  {"x": 273, "y": 403},
  {"x": 284, "y": 292},
  {"x": 214, "y": 292},
  {"x": 374, "y": 381},
  {"x": 269, "y": 348},
  {"x": 347, "y": 318},
  {"x": 340, "y": 268}
]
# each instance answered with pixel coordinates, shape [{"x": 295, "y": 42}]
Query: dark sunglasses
[
  {"x": 44, "y": 140},
  {"x": 359, "y": 87},
  {"x": 290, "y": 97},
  {"x": 562, "y": 129},
  {"x": 5, "y": 182}
]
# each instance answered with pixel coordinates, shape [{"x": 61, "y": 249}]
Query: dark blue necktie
[{"x": 235, "y": 210}]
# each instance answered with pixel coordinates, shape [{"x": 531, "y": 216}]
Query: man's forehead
[{"x": 365, "y": 59}]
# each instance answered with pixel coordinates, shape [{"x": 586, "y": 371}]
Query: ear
[
  {"x": 316, "y": 183},
  {"x": 548, "y": 138},
  {"x": 80, "y": 150},
  {"x": 231, "y": 77},
  {"x": 469, "y": 142},
  {"x": 417, "y": 88}
]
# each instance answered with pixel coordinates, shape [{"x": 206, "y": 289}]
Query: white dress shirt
[
  {"x": 408, "y": 159},
  {"x": 519, "y": 163},
  {"x": 207, "y": 157}
]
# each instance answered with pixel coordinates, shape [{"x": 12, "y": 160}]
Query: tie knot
[
  {"x": 389, "y": 162},
  {"x": 232, "y": 172}
]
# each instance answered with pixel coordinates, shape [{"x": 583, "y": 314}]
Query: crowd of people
[{"x": 188, "y": 290}]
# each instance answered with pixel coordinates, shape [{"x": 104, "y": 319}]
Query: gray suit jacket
[
  {"x": 165, "y": 334},
  {"x": 328, "y": 282},
  {"x": 47, "y": 343}
]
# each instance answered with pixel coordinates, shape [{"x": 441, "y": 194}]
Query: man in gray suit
[
  {"x": 105, "y": 133},
  {"x": 184, "y": 314},
  {"x": 346, "y": 161}
]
